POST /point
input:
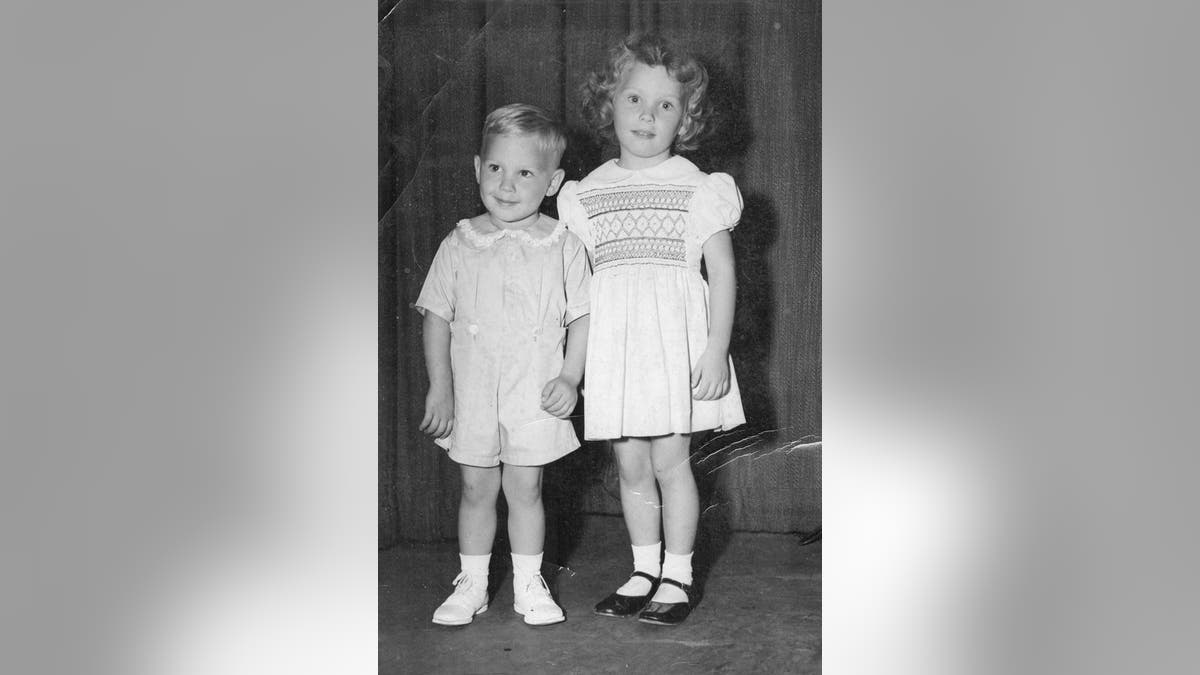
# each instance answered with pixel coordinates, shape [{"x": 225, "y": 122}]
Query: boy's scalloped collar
[{"x": 481, "y": 240}]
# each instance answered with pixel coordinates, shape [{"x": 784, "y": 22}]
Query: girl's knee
[
  {"x": 678, "y": 468},
  {"x": 634, "y": 472}
]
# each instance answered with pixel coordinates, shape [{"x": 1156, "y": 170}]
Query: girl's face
[
  {"x": 647, "y": 114},
  {"x": 514, "y": 175}
]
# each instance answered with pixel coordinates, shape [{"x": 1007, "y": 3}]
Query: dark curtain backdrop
[{"x": 443, "y": 65}]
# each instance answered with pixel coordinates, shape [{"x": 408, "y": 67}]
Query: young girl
[
  {"x": 505, "y": 290},
  {"x": 658, "y": 366}
]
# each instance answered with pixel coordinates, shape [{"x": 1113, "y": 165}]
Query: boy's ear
[
  {"x": 477, "y": 164},
  {"x": 555, "y": 181}
]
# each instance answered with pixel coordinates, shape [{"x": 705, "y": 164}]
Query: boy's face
[
  {"x": 647, "y": 114},
  {"x": 514, "y": 176}
]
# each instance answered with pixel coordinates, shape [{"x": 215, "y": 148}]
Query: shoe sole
[
  {"x": 539, "y": 622},
  {"x": 657, "y": 623},
  {"x": 464, "y": 622},
  {"x": 615, "y": 616}
]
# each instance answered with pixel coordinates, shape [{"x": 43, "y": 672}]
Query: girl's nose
[{"x": 647, "y": 113}]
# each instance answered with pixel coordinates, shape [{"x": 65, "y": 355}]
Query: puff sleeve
[
  {"x": 716, "y": 206},
  {"x": 577, "y": 277},
  {"x": 571, "y": 213},
  {"x": 437, "y": 294}
]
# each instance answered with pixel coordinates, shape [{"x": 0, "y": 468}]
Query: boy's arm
[
  {"x": 560, "y": 394},
  {"x": 439, "y": 402},
  {"x": 710, "y": 378}
]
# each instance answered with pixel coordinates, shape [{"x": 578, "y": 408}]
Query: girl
[
  {"x": 506, "y": 289},
  {"x": 657, "y": 365}
]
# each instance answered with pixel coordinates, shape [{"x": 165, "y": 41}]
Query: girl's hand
[
  {"x": 710, "y": 377},
  {"x": 559, "y": 397},
  {"x": 439, "y": 413}
]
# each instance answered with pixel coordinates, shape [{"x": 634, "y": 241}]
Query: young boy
[{"x": 506, "y": 290}]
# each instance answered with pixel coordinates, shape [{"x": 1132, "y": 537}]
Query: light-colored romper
[
  {"x": 645, "y": 231},
  {"x": 508, "y": 298}
]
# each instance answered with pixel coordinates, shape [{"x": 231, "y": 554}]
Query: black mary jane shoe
[
  {"x": 668, "y": 613},
  {"x": 626, "y": 605}
]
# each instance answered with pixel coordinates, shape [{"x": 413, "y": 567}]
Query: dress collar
[{"x": 671, "y": 168}]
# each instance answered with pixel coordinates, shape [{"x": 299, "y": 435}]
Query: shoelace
[
  {"x": 462, "y": 583},
  {"x": 538, "y": 580}
]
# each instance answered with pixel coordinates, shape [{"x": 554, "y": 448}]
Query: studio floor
[{"x": 759, "y": 610}]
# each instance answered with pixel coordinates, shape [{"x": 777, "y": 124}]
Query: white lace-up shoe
[
  {"x": 468, "y": 599},
  {"x": 531, "y": 597}
]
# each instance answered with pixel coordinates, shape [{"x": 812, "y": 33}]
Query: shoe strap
[
  {"x": 682, "y": 586},
  {"x": 647, "y": 577}
]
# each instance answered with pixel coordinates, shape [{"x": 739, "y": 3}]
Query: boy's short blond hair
[{"x": 522, "y": 119}]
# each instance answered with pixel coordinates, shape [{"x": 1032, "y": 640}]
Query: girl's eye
[
  {"x": 666, "y": 105},
  {"x": 633, "y": 99},
  {"x": 526, "y": 173}
]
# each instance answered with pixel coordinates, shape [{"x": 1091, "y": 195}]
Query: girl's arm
[
  {"x": 439, "y": 402},
  {"x": 560, "y": 394},
  {"x": 710, "y": 377}
]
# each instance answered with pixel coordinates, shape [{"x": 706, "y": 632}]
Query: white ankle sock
[
  {"x": 677, "y": 566},
  {"x": 475, "y": 565},
  {"x": 526, "y": 566},
  {"x": 645, "y": 559}
]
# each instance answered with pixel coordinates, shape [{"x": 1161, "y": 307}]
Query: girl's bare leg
[
  {"x": 670, "y": 458},
  {"x": 640, "y": 504}
]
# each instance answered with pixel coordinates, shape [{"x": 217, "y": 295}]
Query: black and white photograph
[
  {"x": 600, "y": 336},
  {"x": 581, "y": 336}
]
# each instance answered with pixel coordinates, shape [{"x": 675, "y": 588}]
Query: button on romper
[{"x": 508, "y": 297}]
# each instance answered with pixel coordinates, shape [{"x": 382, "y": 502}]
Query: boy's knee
[
  {"x": 480, "y": 490},
  {"x": 522, "y": 488}
]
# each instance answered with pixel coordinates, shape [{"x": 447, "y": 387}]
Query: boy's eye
[
  {"x": 526, "y": 173},
  {"x": 633, "y": 98}
]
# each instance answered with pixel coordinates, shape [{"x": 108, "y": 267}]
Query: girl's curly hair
[{"x": 651, "y": 50}]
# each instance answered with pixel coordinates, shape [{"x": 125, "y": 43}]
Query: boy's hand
[
  {"x": 559, "y": 397},
  {"x": 710, "y": 377},
  {"x": 439, "y": 413}
]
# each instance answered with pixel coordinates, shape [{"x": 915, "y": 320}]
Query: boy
[{"x": 506, "y": 290}]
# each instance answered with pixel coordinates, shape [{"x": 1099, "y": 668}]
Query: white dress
[{"x": 645, "y": 231}]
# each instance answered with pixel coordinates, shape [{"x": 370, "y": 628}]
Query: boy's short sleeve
[
  {"x": 437, "y": 294},
  {"x": 571, "y": 213},
  {"x": 577, "y": 279},
  {"x": 716, "y": 206}
]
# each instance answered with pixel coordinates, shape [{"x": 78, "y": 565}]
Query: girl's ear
[
  {"x": 477, "y": 165},
  {"x": 555, "y": 181}
]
